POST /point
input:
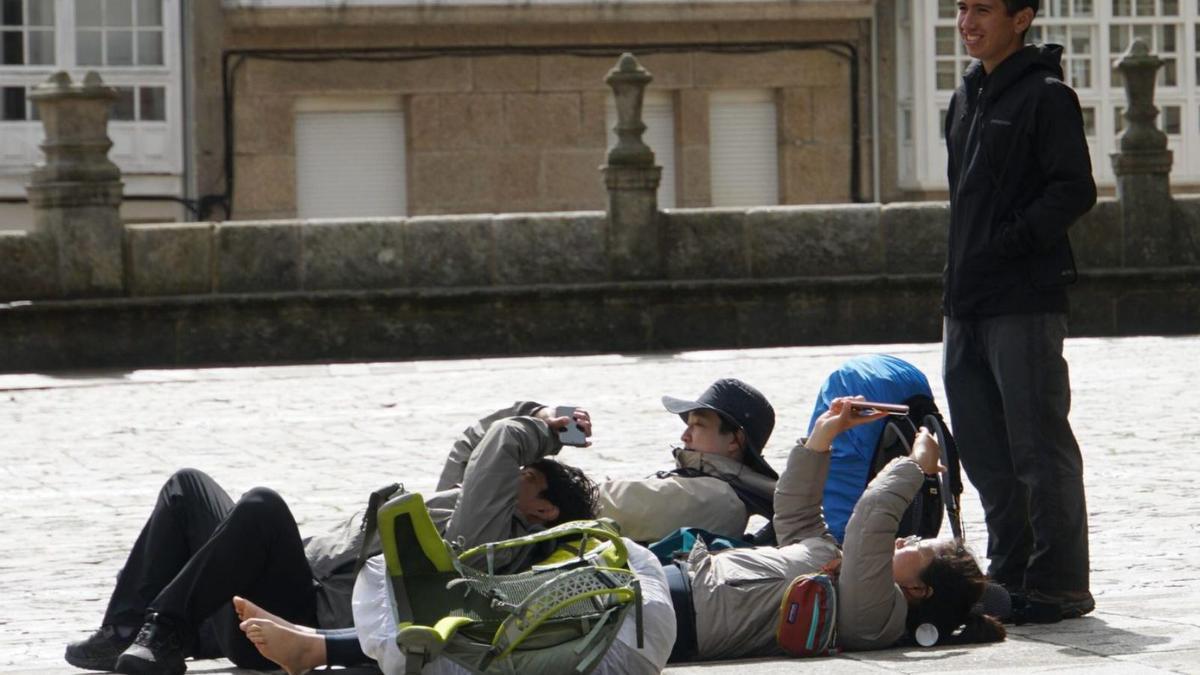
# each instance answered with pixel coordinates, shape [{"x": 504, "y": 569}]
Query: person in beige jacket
[
  {"x": 886, "y": 586},
  {"x": 720, "y": 478}
]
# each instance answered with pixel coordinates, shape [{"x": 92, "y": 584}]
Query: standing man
[{"x": 1020, "y": 175}]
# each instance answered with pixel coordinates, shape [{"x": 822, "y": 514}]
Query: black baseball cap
[{"x": 742, "y": 406}]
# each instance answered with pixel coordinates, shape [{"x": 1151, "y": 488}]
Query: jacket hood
[
  {"x": 718, "y": 466},
  {"x": 1029, "y": 58}
]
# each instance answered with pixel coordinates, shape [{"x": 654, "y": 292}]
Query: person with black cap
[{"x": 720, "y": 478}]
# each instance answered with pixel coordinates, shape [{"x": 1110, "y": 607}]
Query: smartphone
[
  {"x": 872, "y": 407},
  {"x": 573, "y": 433}
]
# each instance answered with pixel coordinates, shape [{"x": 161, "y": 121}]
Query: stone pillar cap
[
  {"x": 1138, "y": 54},
  {"x": 59, "y": 85}
]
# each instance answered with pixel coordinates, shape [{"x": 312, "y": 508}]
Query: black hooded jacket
[{"x": 1020, "y": 175}]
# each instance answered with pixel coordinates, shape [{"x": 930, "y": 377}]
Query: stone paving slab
[{"x": 83, "y": 455}]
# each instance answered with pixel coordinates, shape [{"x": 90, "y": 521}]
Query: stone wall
[{"x": 286, "y": 291}]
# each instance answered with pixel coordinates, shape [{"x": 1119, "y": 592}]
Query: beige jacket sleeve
[
  {"x": 871, "y": 607},
  {"x": 798, "y": 496}
]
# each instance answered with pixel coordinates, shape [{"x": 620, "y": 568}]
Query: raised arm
[
  {"x": 871, "y": 608},
  {"x": 487, "y": 504},
  {"x": 456, "y": 462},
  {"x": 798, "y": 495}
]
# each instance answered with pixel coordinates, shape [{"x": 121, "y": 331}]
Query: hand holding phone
[
  {"x": 572, "y": 433},
  {"x": 872, "y": 407}
]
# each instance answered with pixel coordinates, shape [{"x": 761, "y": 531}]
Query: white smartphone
[{"x": 573, "y": 433}]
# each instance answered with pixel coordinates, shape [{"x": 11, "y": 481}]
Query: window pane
[
  {"x": 153, "y": 101},
  {"x": 13, "y": 104},
  {"x": 1145, "y": 7},
  {"x": 1167, "y": 76},
  {"x": 11, "y": 13},
  {"x": 1166, "y": 38},
  {"x": 1081, "y": 42},
  {"x": 946, "y": 79},
  {"x": 41, "y": 12},
  {"x": 1122, "y": 7},
  {"x": 946, "y": 37},
  {"x": 120, "y": 13},
  {"x": 122, "y": 108},
  {"x": 1081, "y": 73},
  {"x": 150, "y": 51},
  {"x": 1170, "y": 120},
  {"x": 1034, "y": 35},
  {"x": 947, "y": 9},
  {"x": 1056, "y": 35},
  {"x": 89, "y": 12},
  {"x": 1089, "y": 121},
  {"x": 1118, "y": 39},
  {"x": 118, "y": 47},
  {"x": 1170, "y": 7},
  {"x": 149, "y": 12},
  {"x": 1118, "y": 119},
  {"x": 1083, "y": 7},
  {"x": 88, "y": 48},
  {"x": 12, "y": 45},
  {"x": 1145, "y": 34},
  {"x": 41, "y": 47}
]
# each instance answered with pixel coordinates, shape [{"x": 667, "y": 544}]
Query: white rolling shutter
[
  {"x": 349, "y": 163},
  {"x": 743, "y": 154},
  {"x": 658, "y": 114}
]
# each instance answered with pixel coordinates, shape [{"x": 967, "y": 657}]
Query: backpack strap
[{"x": 370, "y": 524}]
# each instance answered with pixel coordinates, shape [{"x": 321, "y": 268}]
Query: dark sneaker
[
  {"x": 157, "y": 650},
  {"x": 1073, "y": 604},
  {"x": 100, "y": 650}
]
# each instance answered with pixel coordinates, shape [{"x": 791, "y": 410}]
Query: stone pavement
[{"x": 83, "y": 456}]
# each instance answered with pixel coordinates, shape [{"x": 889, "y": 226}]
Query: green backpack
[{"x": 560, "y": 616}]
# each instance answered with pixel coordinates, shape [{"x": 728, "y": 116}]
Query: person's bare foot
[
  {"x": 248, "y": 610},
  {"x": 295, "y": 650}
]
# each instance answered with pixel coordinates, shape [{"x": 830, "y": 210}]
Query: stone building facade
[{"x": 398, "y": 108}]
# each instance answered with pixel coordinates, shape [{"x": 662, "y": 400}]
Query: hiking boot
[
  {"x": 100, "y": 650},
  {"x": 157, "y": 650},
  {"x": 1072, "y": 604}
]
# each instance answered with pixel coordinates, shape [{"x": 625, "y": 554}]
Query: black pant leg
[
  {"x": 256, "y": 552},
  {"x": 1026, "y": 354},
  {"x": 978, "y": 417},
  {"x": 189, "y": 508}
]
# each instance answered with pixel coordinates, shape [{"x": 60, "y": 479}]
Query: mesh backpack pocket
[{"x": 808, "y": 616}]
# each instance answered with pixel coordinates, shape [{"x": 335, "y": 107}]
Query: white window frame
[
  {"x": 922, "y": 163},
  {"x": 150, "y": 153}
]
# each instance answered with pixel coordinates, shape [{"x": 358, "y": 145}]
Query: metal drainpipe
[
  {"x": 186, "y": 99},
  {"x": 875, "y": 170}
]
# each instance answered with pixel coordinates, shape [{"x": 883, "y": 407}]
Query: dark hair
[
  {"x": 957, "y": 584},
  {"x": 569, "y": 489},
  {"x": 1014, "y": 6}
]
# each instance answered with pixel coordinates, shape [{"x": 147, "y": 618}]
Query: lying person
[
  {"x": 886, "y": 586},
  {"x": 199, "y": 548},
  {"x": 720, "y": 477}
]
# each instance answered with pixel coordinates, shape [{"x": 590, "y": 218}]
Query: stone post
[
  {"x": 632, "y": 180},
  {"x": 76, "y": 192},
  {"x": 1143, "y": 166}
]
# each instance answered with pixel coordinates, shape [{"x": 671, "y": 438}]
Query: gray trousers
[{"x": 1009, "y": 394}]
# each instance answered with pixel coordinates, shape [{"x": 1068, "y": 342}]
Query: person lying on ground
[
  {"x": 298, "y": 649},
  {"x": 886, "y": 586},
  {"x": 198, "y": 549},
  {"x": 720, "y": 478}
]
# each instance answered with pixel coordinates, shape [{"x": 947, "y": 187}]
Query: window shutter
[
  {"x": 350, "y": 163},
  {"x": 743, "y": 153}
]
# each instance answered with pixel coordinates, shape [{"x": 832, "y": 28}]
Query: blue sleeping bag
[{"x": 878, "y": 377}]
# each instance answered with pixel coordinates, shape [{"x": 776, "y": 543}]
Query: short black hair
[
  {"x": 1014, "y": 6},
  {"x": 569, "y": 489}
]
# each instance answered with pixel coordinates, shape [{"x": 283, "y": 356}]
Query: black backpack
[{"x": 939, "y": 493}]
